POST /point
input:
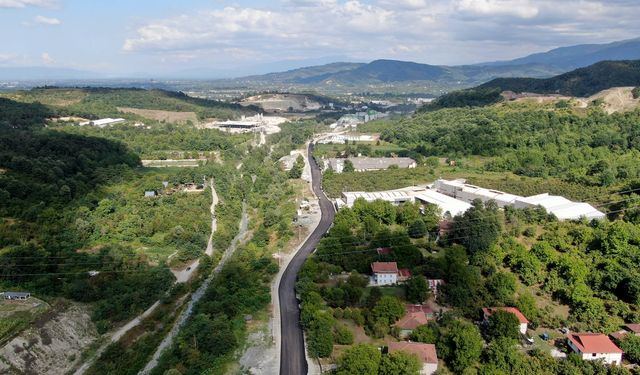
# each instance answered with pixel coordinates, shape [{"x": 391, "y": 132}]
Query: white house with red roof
[
  {"x": 426, "y": 353},
  {"x": 595, "y": 346},
  {"x": 385, "y": 273},
  {"x": 524, "y": 323},
  {"x": 626, "y": 329}
]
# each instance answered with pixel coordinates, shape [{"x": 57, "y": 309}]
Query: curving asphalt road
[{"x": 293, "y": 359}]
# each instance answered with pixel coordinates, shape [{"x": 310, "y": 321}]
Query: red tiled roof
[
  {"x": 383, "y": 250},
  {"x": 488, "y": 311},
  {"x": 425, "y": 352},
  {"x": 635, "y": 328},
  {"x": 593, "y": 343},
  {"x": 384, "y": 267},
  {"x": 619, "y": 335},
  {"x": 418, "y": 308},
  {"x": 412, "y": 320},
  {"x": 404, "y": 272}
]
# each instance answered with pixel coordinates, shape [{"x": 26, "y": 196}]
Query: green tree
[
  {"x": 343, "y": 335},
  {"x": 389, "y": 308},
  {"x": 418, "y": 229},
  {"x": 360, "y": 359},
  {"x": 428, "y": 333},
  {"x": 503, "y": 355},
  {"x": 416, "y": 289},
  {"x": 479, "y": 227},
  {"x": 461, "y": 345},
  {"x": 630, "y": 344},
  {"x": 502, "y": 286},
  {"x": 348, "y": 166},
  {"x": 503, "y": 324},
  {"x": 399, "y": 363}
]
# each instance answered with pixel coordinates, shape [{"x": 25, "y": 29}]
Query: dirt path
[
  {"x": 181, "y": 277},
  {"x": 198, "y": 294}
]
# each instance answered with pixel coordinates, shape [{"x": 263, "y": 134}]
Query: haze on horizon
[{"x": 233, "y": 38}]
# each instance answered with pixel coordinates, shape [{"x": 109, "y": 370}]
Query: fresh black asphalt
[{"x": 292, "y": 359}]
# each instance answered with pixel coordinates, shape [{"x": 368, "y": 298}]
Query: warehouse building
[{"x": 368, "y": 164}]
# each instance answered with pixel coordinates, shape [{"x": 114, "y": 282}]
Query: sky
[{"x": 126, "y": 38}]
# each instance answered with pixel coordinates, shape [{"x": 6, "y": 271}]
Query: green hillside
[{"x": 580, "y": 82}]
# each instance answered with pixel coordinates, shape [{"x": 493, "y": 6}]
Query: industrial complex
[{"x": 454, "y": 197}]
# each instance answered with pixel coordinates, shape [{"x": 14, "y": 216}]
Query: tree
[
  {"x": 399, "y": 363},
  {"x": 389, "y": 308},
  {"x": 360, "y": 359},
  {"x": 417, "y": 289},
  {"x": 343, "y": 335},
  {"x": 503, "y": 324},
  {"x": 428, "y": 333},
  {"x": 479, "y": 227},
  {"x": 461, "y": 345},
  {"x": 418, "y": 229},
  {"x": 298, "y": 167},
  {"x": 502, "y": 286},
  {"x": 502, "y": 354},
  {"x": 348, "y": 166},
  {"x": 630, "y": 344}
]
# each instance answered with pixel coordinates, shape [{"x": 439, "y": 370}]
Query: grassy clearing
[{"x": 15, "y": 316}]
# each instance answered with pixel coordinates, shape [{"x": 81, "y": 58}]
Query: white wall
[
  {"x": 429, "y": 368},
  {"x": 386, "y": 278},
  {"x": 523, "y": 328}
]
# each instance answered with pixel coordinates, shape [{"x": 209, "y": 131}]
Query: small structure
[
  {"x": 16, "y": 296},
  {"x": 103, "y": 122},
  {"x": 524, "y": 323},
  {"x": 411, "y": 321},
  {"x": 426, "y": 353},
  {"x": 150, "y": 194},
  {"x": 368, "y": 164},
  {"x": 626, "y": 329},
  {"x": 594, "y": 347},
  {"x": 385, "y": 273},
  {"x": 403, "y": 275},
  {"x": 165, "y": 184},
  {"x": 383, "y": 250},
  {"x": 434, "y": 286}
]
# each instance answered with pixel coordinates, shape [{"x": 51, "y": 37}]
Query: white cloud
[
  {"x": 517, "y": 8},
  {"x": 42, "y": 20},
  {"x": 26, "y": 3},
  {"x": 431, "y": 31},
  {"x": 47, "y": 59}
]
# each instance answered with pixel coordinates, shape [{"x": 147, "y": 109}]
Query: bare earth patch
[
  {"x": 52, "y": 345},
  {"x": 159, "y": 115}
]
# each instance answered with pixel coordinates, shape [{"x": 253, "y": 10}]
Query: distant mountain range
[
  {"x": 540, "y": 65},
  {"x": 569, "y": 58},
  {"x": 580, "y": 82},
  {"x": 386, "y": 73}
]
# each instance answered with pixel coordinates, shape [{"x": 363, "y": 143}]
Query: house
[
  {"x": 426, "y": 310},
  {"x": 626, "y": 329},
  {"x": 595, "y": 346},
  {"x": 426, "y": 353},
  {"x": 385, "y": 273},
  {"x": 16, "y": 296},
  {"x": 434, "y": 286},
  {"x": 524, "y": 323},
  {"x": 411, "y": 321},
  {"x": 403, "y": 275}
]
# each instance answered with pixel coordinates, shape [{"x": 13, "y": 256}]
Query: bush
[{"x": 343, "y": 335}]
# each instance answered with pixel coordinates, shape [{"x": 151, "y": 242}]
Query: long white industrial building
[{"x": 455, "y": 197}]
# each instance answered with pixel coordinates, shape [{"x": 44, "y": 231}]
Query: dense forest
[
  {"x": 593, "y": 150},
  {"x": 581, "y": 82}
]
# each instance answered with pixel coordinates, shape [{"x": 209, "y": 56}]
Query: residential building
[
  {"x": 15, "y": 296},
  {"x": 363, "y": 164},
  {"x": 403, "y": 275},
  {"x": 426, "y": 353},
  {"x": 411, "y": 321},
  {"x": 626, "y": 329},
  {"x": 426, "y": 310},
  {"x": 385, "y": 273},
  {"x": 595, "y": 346},
  {"x": 524, "y": 323}
]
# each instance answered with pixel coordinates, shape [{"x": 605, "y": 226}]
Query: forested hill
[{"x": 580, "y": 82}]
